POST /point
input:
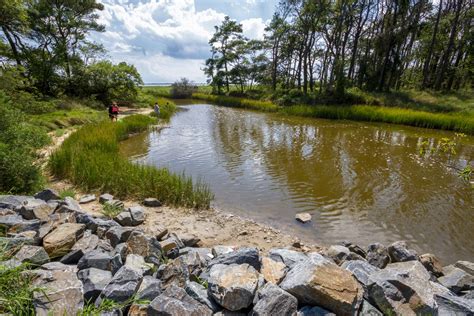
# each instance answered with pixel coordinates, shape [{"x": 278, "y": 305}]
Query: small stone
[
  {"x": 243, "y": 233},
  {"x": 149, "y": 289},
  {"x": 315, "y": 311},
  {"x": 47, "y": 194},
  {"x": 377, "y": 255},
  {"x": 399, "y": 252},
  {"x": 116, "y": 235},
  {"x": 94, "y": 281},
  {"x": 273, "y": 271},
  {"x": 168, "y": 244},
  {"x": 189, "y": 240},
  {"x": 60, "y": 241},
  {"x": 432, "y": 264},
  {"x": 250, "y": 256},
  {"x": 340, "y": 254},
  {"x": 151, "y": 202},
  {"x": 271, "y": 300},
  {"x": 175, "y": 301},
  {"x": 95, "y": 259},
  {"x": 222, "y": 250},
  {"x": 87, "y": 243},
  {"x": 289, "y": 257},
  {"x": 32, "y": 254},
  {"x": 303, "y": 217},
  {"x": 160, "y": 231},
  {"x": 36, "y": 209},
  {"x": 123, "y": 285},
  {"x": 72, "y": 257},
  {"x": 456, "y": 280},
  {"x": 466, "y": 266},
  {"x": 138, "y": 215},
  {"x": 354, "y": 248},
  {"x": 124, "y": 219},
  {"x": 87, "y": 199},
  {"x": 105, "y": 198}
]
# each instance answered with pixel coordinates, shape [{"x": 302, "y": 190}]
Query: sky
[{"x": 168, "y": 39}]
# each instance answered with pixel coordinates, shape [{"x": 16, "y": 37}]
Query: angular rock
[
  {"x": 124, "y": 219},
  {"x": 175, "y": 301},
  {"x": 403, "y": 288},
  {"x": 243, "y": 255},
  {"x": 12, "y": 202},
  {"x": 138, "y": 215},
  {"x": 189, "y": 240},
  {"x": 271, "y": 300},
  {"x": 452, "y": 305},
  {"x": 116, "y": 263},
  {"x": 361, "y": 270},
  {"x": 36, "y": 209},
  {"x": 377, "y": 255},
  {"x": 105, "y": 198},
  {"x": 138, "y": 310},
  {"x": 62, "y": 292},
  {"x": 233, "y": 286},
  {"x": 138, "y": 263},
  {"x": 456, "y": 280},
  {"x": 87, "y": 199},
  {"x": 94, "y": 281},
  {"x": 151, "y": 202},
  {"x": 204, "y": 253},
  {"x": 160, "y": 231},
  {"x": 354, "y": 248},
  {"x": 116, "y": 235},
  {"x": 368, "y": 309},
  {"x": 174, "y": 273},
  {"x": 123, "y": 285},
  {"x": 303, "y": 217},
  {"x": 289, "y": 257},
  {"x": 222, "y": 250},
  {"x": 95, "y": 259},
  {"x": 10, "y": 220},
  {"x": 324, "y": 284},
  {"x": 273, "y": 271},
  {"x": 168, "y": 245},
  {"x": 32, "y": 254},
  {"x": 200, "y": 294},
  {"x": 147, "y": 247},
  {"x": 399, "y": 252},
  {"x": 25, "y": 225},
  {"x": 60, "y": 241},
  {"x": 466, "y": 266},
  {"x": 149, "y": 289},
  {"x": 48, "y": 194},
  {"x": 432, "y": 264},
  {"x": 72, "y": 257},
  {"x": 87, "y": 243},
  {"x": 340, "y": 254},
  {"x": 314, "y": 311},
  {"x": 69, "y": 205}
]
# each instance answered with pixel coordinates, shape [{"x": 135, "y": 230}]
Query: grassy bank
[
  {"x": 90, "y": 158},
  {"x": 447, "y": 121}
]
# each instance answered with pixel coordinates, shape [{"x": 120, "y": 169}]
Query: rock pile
[{"x": 81, "y": 259}]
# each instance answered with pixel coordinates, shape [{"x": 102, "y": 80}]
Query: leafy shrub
[{"x": 182, "y": 89}]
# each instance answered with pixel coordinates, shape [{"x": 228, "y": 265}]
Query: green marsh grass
[
  {"x": 90, "y": 158},
  {"x": 447, "y": 121}
]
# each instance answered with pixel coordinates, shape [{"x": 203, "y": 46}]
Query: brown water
[{"x": 361, "y": 182}]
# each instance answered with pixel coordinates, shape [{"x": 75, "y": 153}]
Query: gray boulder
[
  {"x": 138, "y": 263},
  {"x": 360, "y": 269},
  {"x": 117, "y": 234},
  {"x": 222, "y": 250},
  {"x": 58, "y": 242},
  {"x": 32, "y": 254},
  {"x": 452, "y": 305},
  {"x": 354, "y": 248},
  {"x": 95, "y": 259},
  {"x": 94, "y": 281},
  {"x": 87, "y": 199},
  {"x": 72, "y": 257},
  {"x": 151, "y": 202},
  {"x": 289, "y": 257},
  {"x": 88, "y": 242},
  {"x": 123, "y": 285},
  {"x": 124, "y": 218},
  {"x": 368, "y": 309},
  {"x": 48, "y": 194},
  {"x": 36, "y": 209},
  {"x": 324, "y": 284},
  {"x": 175, "y": 301},
  {"x": 233, "y": 286},
  {"x": 149, "y": 289},
  {"x": 456, "y": 279},
  {"x": 272, "y": 300},
  {"x": 240, "y": 256},
  {"x": 399, "y": 252},
  {"x": 377, "y": 255},
  {"x": 340, "y": 254},
  {"x": 105, "y": 198},
  {"x": 138, "y": 215},
  {"x": 189, "y": 240},
  {"x": 466, "y": 266},
  {"x": 148, "y": 247},
  {"x": 12, "y": 202},
  {"x": 200, "y": 294},
  {"x": 314, "y": 311}
]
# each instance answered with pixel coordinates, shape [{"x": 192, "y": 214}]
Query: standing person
[
  {"x": 113, "y": 111},
  {"x": 157, "y": 109}
]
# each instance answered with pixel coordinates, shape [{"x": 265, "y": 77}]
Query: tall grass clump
[
  {"x": 90, "y": 158},
  {"x": 265, "y": 106}
]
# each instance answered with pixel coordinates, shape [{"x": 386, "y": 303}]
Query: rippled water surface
[{"x": 361, "y": 182}]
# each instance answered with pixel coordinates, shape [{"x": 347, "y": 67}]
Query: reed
[{"x": 90, "y": 158}]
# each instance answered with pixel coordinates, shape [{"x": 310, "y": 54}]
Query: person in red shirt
[{"x": 113, "y": 111}]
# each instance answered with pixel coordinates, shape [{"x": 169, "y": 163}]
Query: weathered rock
[
  {"x": 72, "y": 257},
  {"x": 62, "y": 292},
  {"x": 25, "y": 225},
  {"x": 138, "y": 215},
  {"x": 137, "y": 310},
  {"x": 204, "y": 253},
  {"x": 368, "y": 309},
  {"x": 174, "y": 273},
  {"x": 116, "y": 235},
  {"x": 324, "y": 284},
  {"x": 94, "y": 281},
  {"x": 200, "y": 294},
  {"x": 340, "y": 254},
  {"x": 149, "y": 288},
  {"x": 403, "y": 288},
  {"x": 354, "y": 248},
  {"x": 314, "y": 311},
  {"x": 399, "y": 252},
  {"x": 361, "y": 270},
  {"x": 466, "y": 266},
  {"x": 60, "y": 241},
  {"x": 9, "y": 220},
  {"x": 222, "y": 250},
  {"x": 189, "y": 240},
  {"x": 271, "y": 300},
  {"x": 273, "y": 271},
  {"x": 87, "y": 243},
  {"x": 240, "y": 256},
  {"x": 138, "y": 262},
  {"x": 175, "y": 301},
  {"x": 87, "y": 199},
  {"x": 123, "y": 285},
  {"x": 94, "y": 223},
  {"x": 151, "y": 202},
  {"x": 69, "y": 205},
  {"x": 452, "y": 305},
  {"x": 105, "y": 198},
  {"x": 12, "y": 202},
  {"x": 36, "y": 209},
  {"x": 456, "y": 280},
  {"x": 168, "y": 245},
  {"x": 149, "y": 248},
  {"x": 432, "y": 264},
  {"x": 303, "y": 217},
  {"x": 124, "y": 218},
  {"x": 160, "y": 231},
  {"x": 48, "y": 194},
  {"x": 95, "y": 259},
  {"x": 377, "y": 255},
  {"x": 233, "y": 286},
  {"x": 10, "y": 245},
  {"x": 32, "y": 254},
  {"x": 289, "y": 257},
  {"x": 116, "y": 263}
]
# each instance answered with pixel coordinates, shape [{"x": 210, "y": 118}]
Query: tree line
[
  {"x": 326, "y": 46},
  {"x": 47, "y": 43}
]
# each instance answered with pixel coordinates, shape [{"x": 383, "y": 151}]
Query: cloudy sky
[{"x": 168, "y": 39}]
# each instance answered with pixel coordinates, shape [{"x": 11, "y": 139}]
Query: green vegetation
[
  {"x": 106, "y": 305},
  {"x": 67, "y": 193},
  {"x": 111, "y": 210},
  {"x": 182, "y": 89},
  {"x": 90, "y": 159}
]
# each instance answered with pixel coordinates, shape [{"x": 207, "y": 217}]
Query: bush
[{"x": 182, "y": 89}]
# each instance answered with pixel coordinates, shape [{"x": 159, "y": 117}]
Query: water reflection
[{"x": 360, "y": 182}]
